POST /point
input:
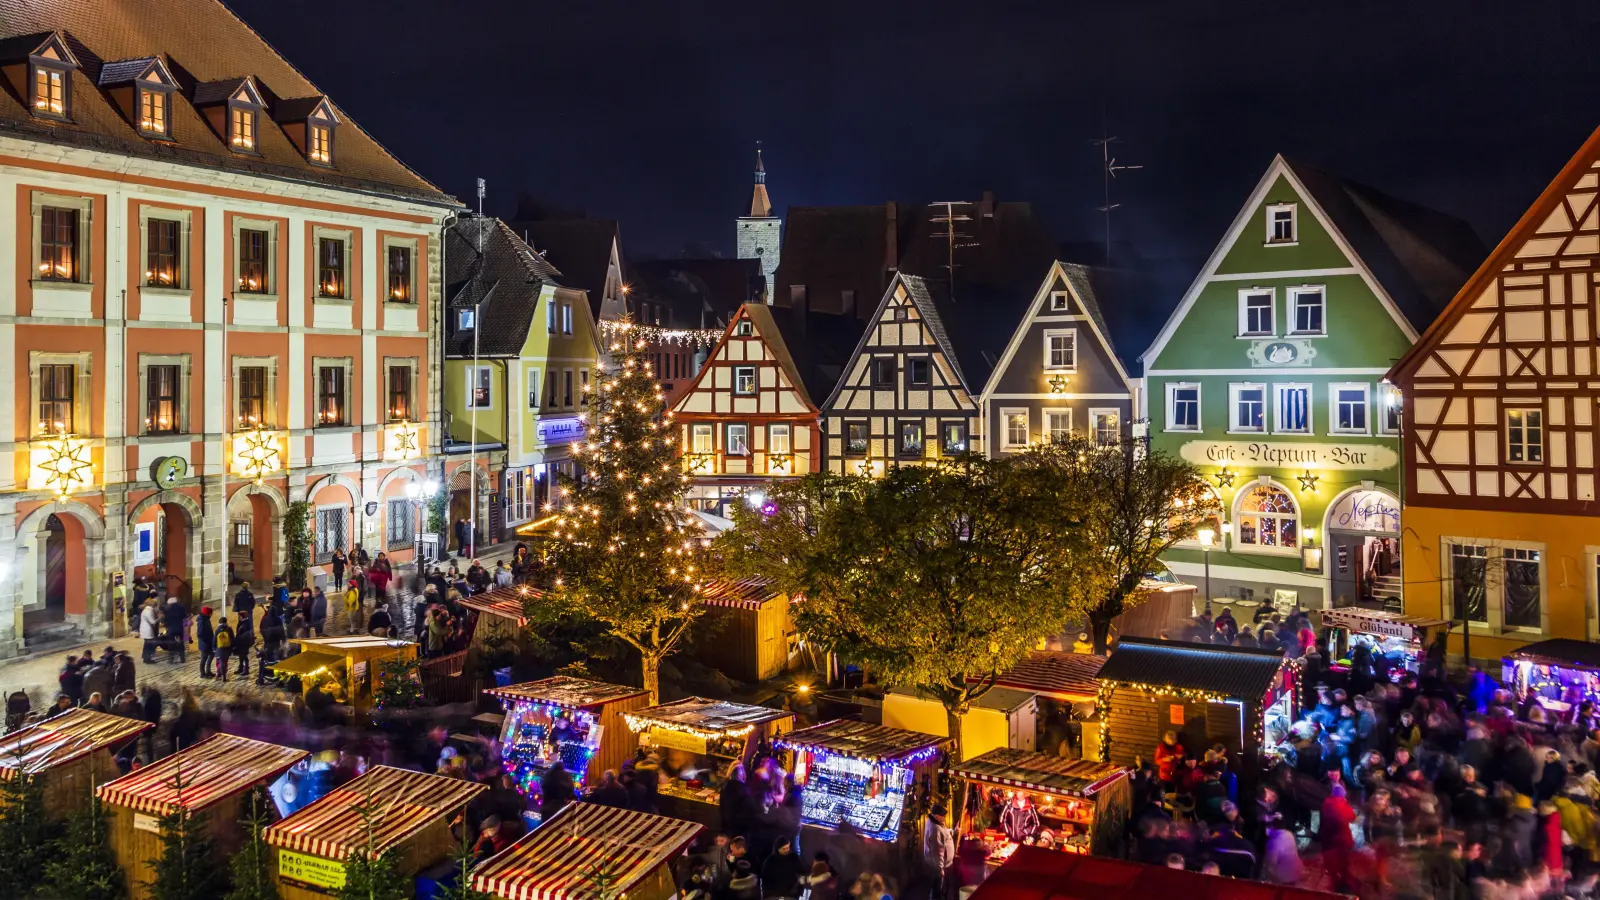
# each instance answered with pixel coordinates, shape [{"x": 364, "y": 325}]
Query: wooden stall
[
  {"x": 413, "y": 813},
  {"x": 748, "y": 633},
  {"x": 1001, "y": 717},
  {"x": 556, "y": 860},
  {"x": 701, "y": 740},
  {"x": 1206, "y": 693},
  {"x": 217, "y": 775},
  {"x": 352, "y": 660},
  {"x": 1397, "y": 642},
  {"x": 1016, "y": 799},
  {"x": 871, "y": 776},
  {"x": 1035, "y": 874},
  {"x": 70, "y": 754},
  {"x": 1065, "y": 687},
  {"x": 575, "y": 720},
  {"x": 1166, "y": 608},
  {"x": 497, "y": 614},
  {"x": 1560, "y": 674}
]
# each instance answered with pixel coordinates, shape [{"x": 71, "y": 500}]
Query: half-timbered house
[
  {"x": 1500, "y": 431},
  {"x": 748, "y": 417},
  {"x": 1058, "y": 375},
  {"x": 902, "y": 399}
]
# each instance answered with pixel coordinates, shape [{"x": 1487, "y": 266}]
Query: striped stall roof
[
  {"x": 214, "y": 769},
  {"x": 553, "y": 861},
  {"x": 61, "y": 739},
  {"x": 862, "y": 740},
  {"x": 1065, "y": 676},
  {"x": 346, "y": 643},
  {"x": 746, "y": 593},
  {"x": 1039, "y": 772},
  {"x": 504, "y": 602},
  {"x": 407, "y": 801},
  {"x": 1356, "y": 618},
  {"x": 567, "y": 692},
  {"x": 710, "y": 715}
]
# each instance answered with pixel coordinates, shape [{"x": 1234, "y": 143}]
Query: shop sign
[
  {"x": 677, "y": 740},
  {"x": 1175, "y": 713},
  {"x": 560, "y": 431},
  {"x": 1366, "y": 511},
  {"x": 142, "y": 822},
  {"x": 1389, "y": 629},
  {"x": 310, "y": 870},
  {"x": 169, "y": 471},
  {"x": 1281, "y": 352},
  {"x": 1284, "y": 454}
]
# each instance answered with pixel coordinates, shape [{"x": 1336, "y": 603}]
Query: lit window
[
  {"x": 480, "y": 387},
  {"x": 1061, "y": 350},
  {"x": 1183, "y": 407},
  {"x": 161, "y": 253},
  {"x": 255, "y": 270},
  {"x": 1268, "y": 518},
  {"x": 153, "y": 112},
  {"x": 778, "y": 441},
  {"x": 1524, "y": 435},
  {"x": 58, "y": 244},
  {"x": 161, "y": 400},
  {"x": 242, "y": 128},
  {"x": 1105, "y": 426},
  {"x": 1281, "y": 223},
  {"x": 919, "y": 372},
  {"x": 252, "y": 395},
  {"x": 330, "y": 396},
  {"x": 321, "y": 144},
  {"x": 57, "y": 387},
  {"x": 1249, "y": 408},
  {"x": 566, "y": 318},
  {"x": 399, "y": 274},
  {"x": 953, "y": 438},
  {"x": 1294, "y": 409},
  {"x": 1058, "y": 425},
  {"x": 1389, "y": 415},
  {"x": 856, "y": 438},
  {"x": 466, "y": 319},
  {"x": 1307, "y": 307},
  {"x": 50, "y": 91},
  {"x": 1256, "y": 310},
  {"x": 1349, "y": 408},
  {"x": 700, "y": 438},
  {"x": 1013, "y": 428},
  {"x": 744, "y": 379},
  {"x": 911, "y": 439},
  {"x": 330, "y": 268},
  {"x": 738, "y": 440},
  {"x": 400, "y": 393}
]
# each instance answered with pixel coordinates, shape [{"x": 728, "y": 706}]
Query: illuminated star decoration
[
  {"x": 1224, "y": 478},
  {"x": 1308, "y": 481},
  {"x": 260, "y": 454},
  {"x": 68, "y": 465},
  {"x": 405, "y": 440},
  {"x": 1058, "y": 384}
]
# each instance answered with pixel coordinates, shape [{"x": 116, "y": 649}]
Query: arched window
[{"x": 1268, "y": 518}]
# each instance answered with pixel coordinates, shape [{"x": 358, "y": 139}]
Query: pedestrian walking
[
  {"x": 318, "y": 613},
  {"x": 244, "y": 637},
  {"x": 205, "y": 641},
  {"x": 223, "y": 638},
  {"x": 352, "y": 608},
  {"x": 150, "y": 629},
  {"x": 176, "y": 645},
  {"x": 338, "y": 562}
]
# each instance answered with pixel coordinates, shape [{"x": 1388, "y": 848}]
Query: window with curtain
[
  {"x": 58, "y": 244},
  {"x": 252, "y": 396},
  {"x": 400, "y": 394},
  {"x": 161, "y": 400},
  {"x": 57, "y": 385},
  {"x": 330, "y": 397},
  {"x": 161, "y": 253},
  {"x": 330, "y": 268}
]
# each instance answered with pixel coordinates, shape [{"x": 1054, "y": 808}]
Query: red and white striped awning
[
  {"x": 406, "y": 801},
  {"x": 504, "y": 602},
  {"x": 61, "y": 739},
  {"x": 746, "y": 593},
  {"x": 553, "y": 861},
  {"x": 214, "y": 769},
  {"x": 1377, "y": 621}
]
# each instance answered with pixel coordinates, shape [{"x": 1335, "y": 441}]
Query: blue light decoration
[
  {"x": 534, "y": 731},
  {"x": 870, "y": 794}
]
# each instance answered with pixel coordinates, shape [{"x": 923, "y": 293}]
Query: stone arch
[
  {"x": 356, "y": 530},
  {"x": 192, "y": 566},
  {"x": 274, "y": 496},
  {"x": 335, "y": 478},
  {"x": 94, "y": 527},
  {"x": 480, "y": 469},
  {"x": 262, "y": 506},
  {"x": 396, "y": 474},
  {"x": 87, "y": 598},
  {"x": 163, "y": 498}
]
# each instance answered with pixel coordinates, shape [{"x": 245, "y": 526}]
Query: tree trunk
[
  {"x": 1100, "y": 630},
  {"x": 958, "y": 797},
  {"x": 651, "y": 666}
]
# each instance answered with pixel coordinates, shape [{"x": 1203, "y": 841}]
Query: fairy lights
[
  {"x": 654, "y": 334},
  {"x": 643, "y": 723}
]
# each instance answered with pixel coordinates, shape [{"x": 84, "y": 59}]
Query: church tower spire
[
  {"x": 759, "y": 234},
  {"x": 760, "y": 203}
]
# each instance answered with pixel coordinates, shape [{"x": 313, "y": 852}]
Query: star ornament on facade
[
  {"x": 1058, "y": 384},
  {"x": 1308, "y": 482},
  {"x": 260, "y": 454},
  {"x": 1224, "y": 478},
  {"x": 405, "y": 441},
  {"x": 68, "y": 466}
]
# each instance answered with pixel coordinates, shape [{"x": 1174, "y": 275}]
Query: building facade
[
  {"x": 521, "y": 352},
  {"x": 223, "y": 297},
  {"x": 902, "y": 399},
  {"x": 1500, "y": 428},
  {"x": 1269, "y": 377},
  {"x": 760, "y": 235},
  {"x": 748, "y": 417},
  {"x": 1058, "y": 376}
]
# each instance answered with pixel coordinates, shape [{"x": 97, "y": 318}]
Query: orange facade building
[{"x": 217, "y": 283}]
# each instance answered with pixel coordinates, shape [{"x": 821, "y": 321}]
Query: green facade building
[{"x": 1268, "y": 376}]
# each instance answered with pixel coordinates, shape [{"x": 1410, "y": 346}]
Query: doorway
[
  {"x": 55, "y": 578},
  {"x": 1363, "y": 550}
]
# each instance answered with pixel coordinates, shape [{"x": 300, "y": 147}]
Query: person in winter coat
[
  {"x": 244, "y": 602},
  {"x": 272, "y": 631},
  {"x": 244, "y": 637},
  {"x": 1280, "y": 858},
  {"x": 379, "y": 577},
  {"x": 437, "y": 625},
  {"x": 1516, "y": 832},
  {"x": 1553, "y": 778},
  {"x": 186, "y": 728},
  {"x": 122, "y": 673},
  {"x": 419, "y": 612},
  {"x": 150, "y": 711},
  {"x": 502, "y": 575},
  {"x": 354, "y": 621},
  {"x": 318, "y": 616},
  {"x": 1169, "y": 757},
  {"x": 381, "y": 622},
  {"x": 223, "y": 640},
  {"x": 780, "y": 874},
  {"x": 478, "y": 577},
  {"x": 150, "y": 630},
  {"x": 177, "y": 645},
  {"x": 97, "y": 680},
  {"x": 339, "y": 561},
  {"x": 205, "y": 639},
  {"x": 938, "y": 851},
  {"x": 71, "y": 680},
  {"x": 555, "y": 790},
  {"x": 1336, "y": 838}
]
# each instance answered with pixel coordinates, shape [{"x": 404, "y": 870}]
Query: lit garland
[
  {"x": 836, "y": 758},
  {"x": 68, "y": 466},
  {"x": 640, "y": 724},
  {"x": 654, "y": 334},
  {"x": 405, "y": 441},
  {"x": 1107, "y": 688}
]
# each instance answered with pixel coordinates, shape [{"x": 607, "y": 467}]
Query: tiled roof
[
  {"x": 505, "y": 280},
  {"x": 1056, "y": 674},
  {"x": 698, "y": 293},
  {"x": 124, "y": 71},
  {"x": 772, "y": 333},
  {"x": 207, "y": 45},
  {"x": 580, "y": 248},
  {"x": 1237, "y": 672},
  {"x": 220, "y": 91},
  {"x": 819, "y": 345}
]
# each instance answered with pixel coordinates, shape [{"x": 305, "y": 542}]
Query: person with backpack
[
  {"x": 352, "y": 608},
  {"x": 223, "y": 640}
]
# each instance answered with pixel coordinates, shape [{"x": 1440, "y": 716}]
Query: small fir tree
[
  {"x": 603, "y": 879},
  {"x": 460, "y": 888},
  {"x": 84, "y": 866},
  {"x": 399, "y": 683},
  {"x": 252, "y": 865},
  {"x": 189, "y": 867},
  {"x": 368, "y": 873},
  {"x": 25, "y": 831}
]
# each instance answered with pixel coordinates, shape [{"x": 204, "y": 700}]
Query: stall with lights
[
  {"x": 495, "y": 619},
  {"x": 1562, "y": 674},
  {"x": 346, "y": 667},
  {"x": 590, "y": 852},
  {"x": 1244, "y": 699},
  {"x": 577, "y": 721},
  {"x": 698, "y": 742},
  {"x": 1016, "y": 798},
  {"x": 1397, "y": 641},
  {"x": 875, "y": 778}
]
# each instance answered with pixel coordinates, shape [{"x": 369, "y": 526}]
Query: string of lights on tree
[{"x": 655, "y": 334}]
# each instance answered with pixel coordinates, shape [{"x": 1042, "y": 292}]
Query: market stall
[
  {"x": 571, "y": 719},
  {"x": 1244, "y": 699},
  {"x": 1035, "y": 874},
  {"x": 217, "y": 775},
  {"x": 871, "y": 776},
  {"x": 699, "y": 741},
  {"x": 411, "y": 814},
  {"x": 1065, "y": 687},
  {"x": 750, "y": 635},
  {"x": 1396, "y": 641},
  {"x": 560, "y": 859},
  {"x": 346, "y": 667},
  {"x": 1558, "y": 675},
  {"x": 1016, "y": 798},
  {"x": 1000, "y": 717},
  {"x": 70, "y": 754},
  {"x": 497, "y": 615}
]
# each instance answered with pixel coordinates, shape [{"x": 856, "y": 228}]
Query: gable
[
  {"x": 906, "y": 327},
  {"x": 778, "y": 389},
  {"x": 1021, "y": 367},
  {"x": 247, "y": 93},
  {"x": 56, "y": 50},
  {"x": 157, "y": 73}
]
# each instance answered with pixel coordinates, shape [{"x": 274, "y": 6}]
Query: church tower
[{"x": 759, "y": 233}]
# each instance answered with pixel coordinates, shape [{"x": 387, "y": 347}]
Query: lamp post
[
  {"x": 1207, "y": 538},
  {"x": 418, "y": 493}
]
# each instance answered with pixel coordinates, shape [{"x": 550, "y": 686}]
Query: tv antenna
[
  {"x": 1109, "y": 167},
  {"x": 954, "y": 240}
]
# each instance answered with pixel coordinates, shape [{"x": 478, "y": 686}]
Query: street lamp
[
  {"x": 418, "y": 492},
  {"x": 1207, "y": 538}
]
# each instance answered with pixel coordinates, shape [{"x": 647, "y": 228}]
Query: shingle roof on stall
[
  {"x": 862, "y": 740},
  {"x": 566, "y": 691},
  {"x": 1243, "y": 673}
]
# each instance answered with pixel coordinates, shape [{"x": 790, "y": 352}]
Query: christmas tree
[
  {"x": 188, "y": 867},
  {"x": 25, "y": 832},
  {"x": 252, "y": 865},
  {"x": 627, "y": 550},
  {"x": 460, "y": 888},
  {"x": 371, "y": 874},
  {"x": 84, "y": 868}
]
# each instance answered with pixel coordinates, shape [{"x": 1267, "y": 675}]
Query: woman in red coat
[
  {"x": 1336, "y": 838},
  {"x": 1169, "y": 758},
  {"x": 1550, "y": 825}
]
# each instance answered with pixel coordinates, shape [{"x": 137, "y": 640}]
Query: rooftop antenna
[
  {"x": 954, "y": 240},
  {"x": 1108, "y": 173}
]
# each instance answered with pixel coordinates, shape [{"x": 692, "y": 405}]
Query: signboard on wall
[
  {"x": 1371, "y": 510},
  {"x": 1287, "y": 454},
  {"x": 564, "y": 430},
  {"x": 677, "y": 740},
  {"x": 313, "y": 871},
  {"x": 144, "y": 544}
]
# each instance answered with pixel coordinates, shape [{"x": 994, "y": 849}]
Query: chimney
[
  {"x": 986, "y": 205},
  {"x": 891, "y": 236}
]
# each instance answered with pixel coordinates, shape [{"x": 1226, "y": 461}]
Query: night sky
[{"x": 648, "y": 112}]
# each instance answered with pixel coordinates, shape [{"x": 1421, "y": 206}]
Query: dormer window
[
  {"x": 466, "y": 319},
  {"x": 153, "y": 118},
  {"x": 242, "y": 128},
  {"x": 321, "y": 145},
  {"x": 49, "y": 91}
]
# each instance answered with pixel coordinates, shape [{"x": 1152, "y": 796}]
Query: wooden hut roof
[
  {"x": 61, "y": 739},
  {"x": 1056, "y": 674},
  {"x": 566, "y": 691},
  {"x": 862, "y": 740},
  {"x": 746, "y": 593},
  {"x": 553, "y": 861},
  {"x": 504, "y": 602},
  {"x": 1238, "y": 672},
  {"x": 1039, "y": 772},
  {"x": 406, "y": 802},
  {"x": 698, "y": 713},
  {"x": 214, "y": 769}
]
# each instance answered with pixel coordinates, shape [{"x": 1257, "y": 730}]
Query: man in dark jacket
[
  {"x": 555, "y": 791},
  {"x": 206, "y": 641},
  {"x": 150, "y": 711},
  {"x": 177, "y": 647},
  {"x": 244, "y": 637},
  {"x": 735, "y": 805},
  {"x": 97, "y": 680},
  {"x": 122, "y": 673},
  {"x": 71, "y": 680},
  {"x": 610, "y": 792}
]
